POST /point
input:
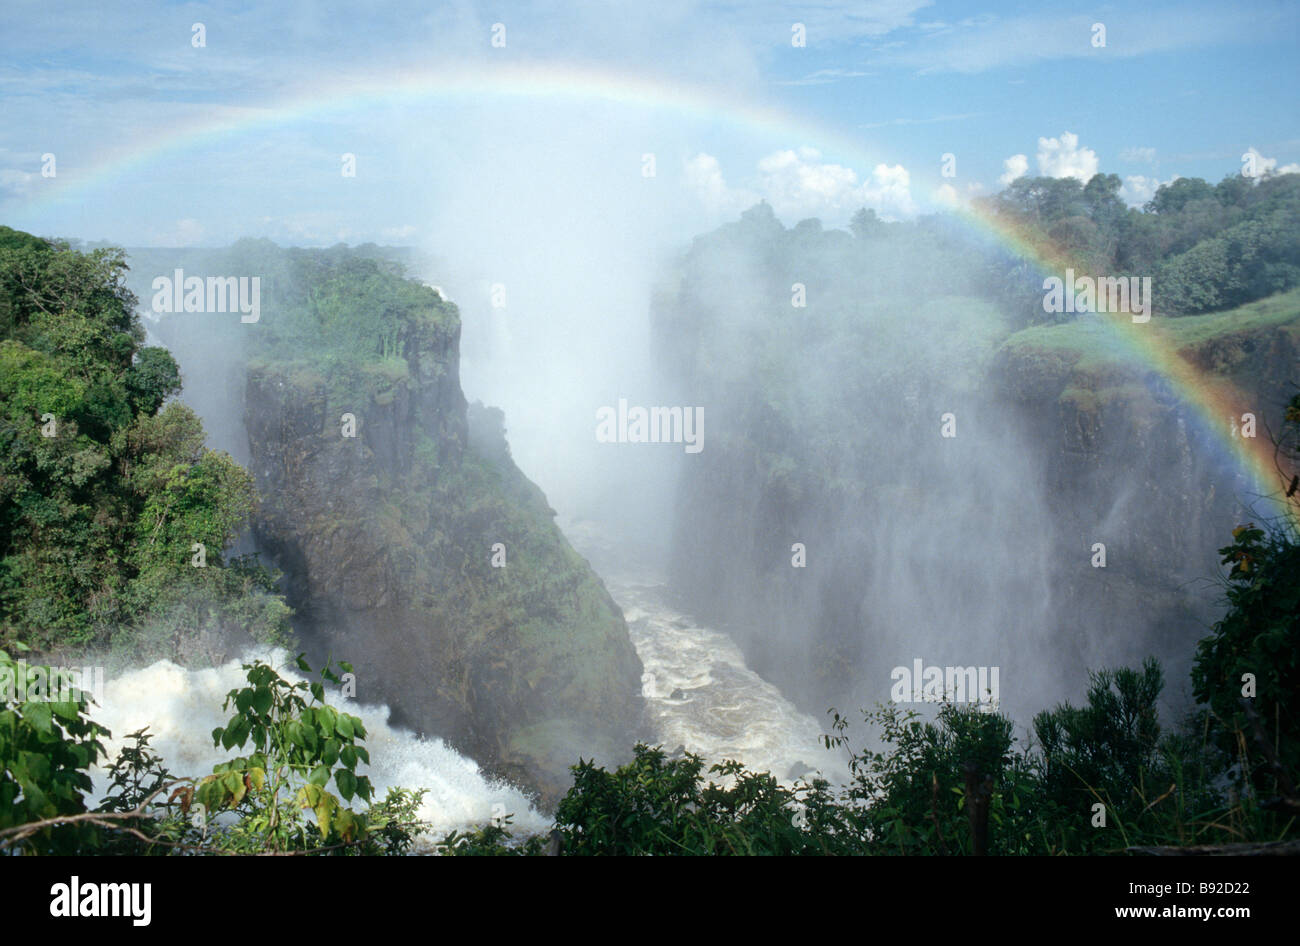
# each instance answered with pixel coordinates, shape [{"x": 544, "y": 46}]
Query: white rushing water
[
  {"x": 181, "y": 708},
  {"x": 704, "y": 698},
  {"x": 700, "y": 694}
]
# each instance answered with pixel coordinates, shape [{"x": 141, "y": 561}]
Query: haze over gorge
[{"x": 851, "y": 430}]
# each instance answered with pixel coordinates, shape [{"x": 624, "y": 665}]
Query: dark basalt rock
[{"x": 386, "y": 540}]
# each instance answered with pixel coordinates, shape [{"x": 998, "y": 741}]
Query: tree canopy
[{"x": 107, "y": 491}]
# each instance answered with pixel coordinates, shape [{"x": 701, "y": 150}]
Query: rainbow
[
  {"x": 349, "y": 94},
  {"x": 1214, "y": 401}
]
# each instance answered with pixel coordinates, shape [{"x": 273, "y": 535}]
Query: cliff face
[
  {"x": 983, "y": 544},
  {"x": 1130, "y": 464},
  {"x": 386, "y": 522},
  {"x": 387, "y": 541}
]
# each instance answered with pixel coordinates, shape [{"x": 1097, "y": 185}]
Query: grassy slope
[
  {"x": 1089, "y": 346},
  {"x": 1099, "y": 366}
]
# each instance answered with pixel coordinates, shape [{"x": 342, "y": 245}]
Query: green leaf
[
  {"x": 347, "y": 783},
  {"x": 37, "y": 715},
  {"x": 233, "y": 783}
]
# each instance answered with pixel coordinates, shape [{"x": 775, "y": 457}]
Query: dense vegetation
[
  {"x": 114, "y": 516},
  {"x": 1101, "y": 778},
  {"x": 1206, "y": 247}
]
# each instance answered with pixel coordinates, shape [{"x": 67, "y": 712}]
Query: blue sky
[{"x": 1179, "y": 89}]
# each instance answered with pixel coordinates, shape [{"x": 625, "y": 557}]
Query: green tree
[
  {"x": 1248, "y": 670},
  {"x": 104, "y": 491},
  {"x": 1174, "y": 196},
  {"x": 46, "y": 748}
]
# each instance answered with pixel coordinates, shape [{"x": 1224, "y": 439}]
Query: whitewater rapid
[
  {"x": 700, "y": 696},
  {"x": 181, "y": 707}
]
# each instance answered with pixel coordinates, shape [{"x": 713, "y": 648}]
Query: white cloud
[
  {"x": 1057, "y": 157},
  {"x": 798, "y": 184},
  {"x": 1137, "y": 189},
  {"x": 1016, "y": 166},
  {"x": 704, "y": 177},
  {"x": 1062, "y": 157},
  {"x": 945, "y": 195},
  {"x": 1138, "y": 155},
  {"x": 827, "y": 21},
  {"x": 1264, "y": 165},
  {"x": 798, "y": 177}
]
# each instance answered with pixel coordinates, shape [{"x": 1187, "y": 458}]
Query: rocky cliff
[
  {"x": 979, "y": 549},
  {"x": 410, "y": 543},
  {"x": 1131, "y": 462}
]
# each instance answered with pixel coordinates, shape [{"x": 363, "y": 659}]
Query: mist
[
  {"x": 819, "y": 246},
  {"x": 541, "y": 225}
]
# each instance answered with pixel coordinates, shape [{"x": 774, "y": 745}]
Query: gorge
[{"x": 376, "y": 542}]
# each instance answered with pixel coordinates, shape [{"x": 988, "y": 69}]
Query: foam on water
[
  {"x": 703, "y": 697},
  {"x": 181, "y": 708},
  {"x": 700, "y": 694}
]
